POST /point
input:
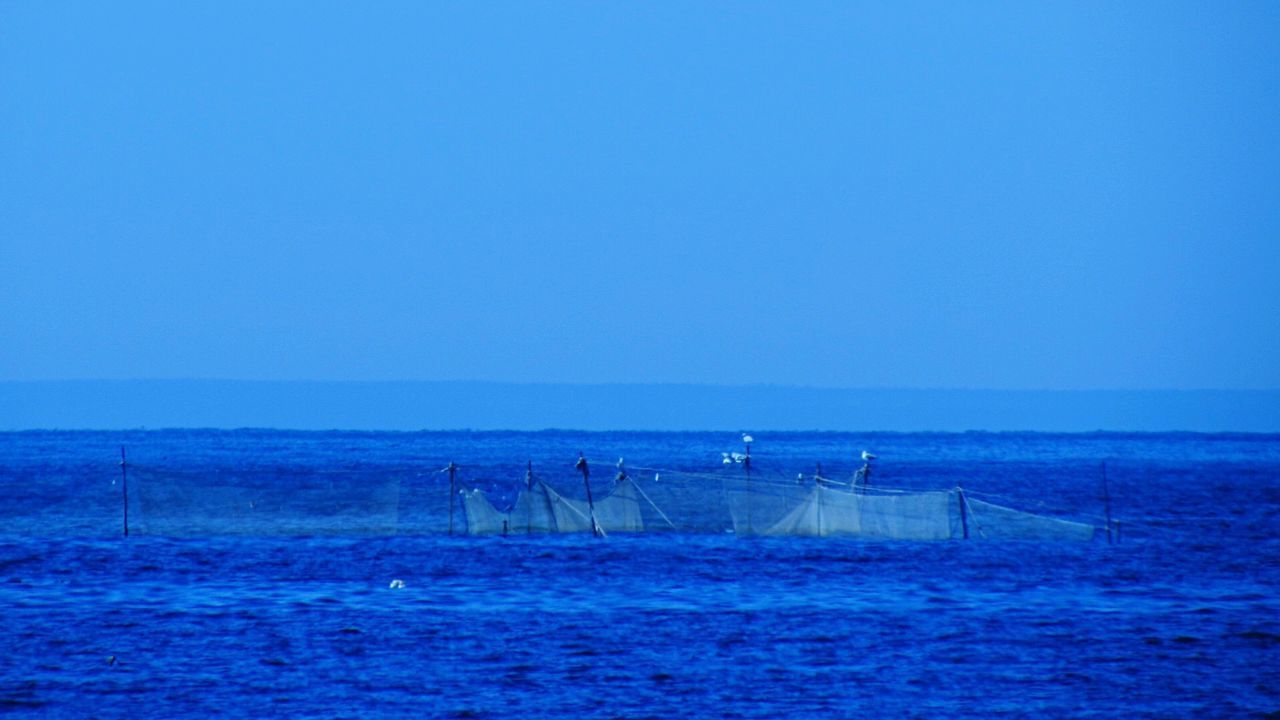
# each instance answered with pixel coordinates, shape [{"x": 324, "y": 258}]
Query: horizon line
[{"x": 479, "y": 405}]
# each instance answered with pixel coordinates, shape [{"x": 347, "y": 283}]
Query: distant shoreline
[{"x": 306, "y": 405}]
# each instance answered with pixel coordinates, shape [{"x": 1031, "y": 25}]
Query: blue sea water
[{"x": 1180, "y": 618}]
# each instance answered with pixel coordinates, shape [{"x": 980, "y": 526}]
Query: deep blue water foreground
[{"x": 1179, "y": 619}]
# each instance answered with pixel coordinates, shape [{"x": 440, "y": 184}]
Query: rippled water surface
[{"x": 1181, "y": 618}]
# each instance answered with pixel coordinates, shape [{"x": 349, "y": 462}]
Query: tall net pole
[
  {"x": 746, "y": 468},
  {"x": 124, "y": 488},
  {"x": 586, "y": 481},
  {"x": 453, "y": 491},
  {"x": 528, "y": 483},
  {"x": 1106, "y": 501}
]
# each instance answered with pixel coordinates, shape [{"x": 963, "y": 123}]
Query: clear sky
[{"x": 952, "y": 195}]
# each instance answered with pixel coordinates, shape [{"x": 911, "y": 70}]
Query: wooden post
[
  {"x": 586, "y": 481},
  {"x": 964, "y": 512},
  {"x": 1106, "y": 501},
  {"x": 746, "y": 468},
  {"x": 820, "y": 490},
  {"x": 528, "y": 483},
  {"x": 453, "y": 492},
  {"x": 124, "y": 486}
]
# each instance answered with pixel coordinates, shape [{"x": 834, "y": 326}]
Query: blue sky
[{"x": 951, "y": 195}]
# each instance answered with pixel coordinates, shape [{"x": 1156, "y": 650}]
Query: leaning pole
[{"x": 591, "y": 506}]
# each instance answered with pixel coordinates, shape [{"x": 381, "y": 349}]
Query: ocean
[{"x": 194, "y": 615}]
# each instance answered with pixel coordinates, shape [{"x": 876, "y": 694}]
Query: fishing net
[
  {"x": 388, "y": 500},
  {"x": 915, "y": 516},
  {"x": 994, "y": 522},
  {"x": 540, "y": 509},
  {"x": 815, "y": 506},
  {"x": 272, "y": 502}
]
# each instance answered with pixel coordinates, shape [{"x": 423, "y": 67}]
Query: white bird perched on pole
[
  {"x": 866, "y": 456},
  {"x": 747, "y": 439}
]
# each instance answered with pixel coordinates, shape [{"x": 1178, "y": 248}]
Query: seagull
[
  {"x": 866, "y": 456},
  {"x": 748, "y": 439},
  {"x": 397, "y": 584}
]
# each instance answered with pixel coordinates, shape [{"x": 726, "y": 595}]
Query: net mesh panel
[
  {"x": 276, "y": 502},
  {"x": 825, "y": 511},
  {"x": 757, "y": 503},
  {"x": 994, "y": 522},
  {"x": 909, "y": 516},
  {"x": 303, "y": 501},
  {"x": 914, "y": 516},
  {"x": 540, "y": 509},
  {"x": 683, "y": 502}
]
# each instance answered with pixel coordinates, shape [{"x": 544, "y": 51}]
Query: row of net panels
[{"x": 294, "y": 502}]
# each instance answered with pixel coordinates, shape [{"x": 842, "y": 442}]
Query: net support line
[{"x": 654, "y": 505}]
